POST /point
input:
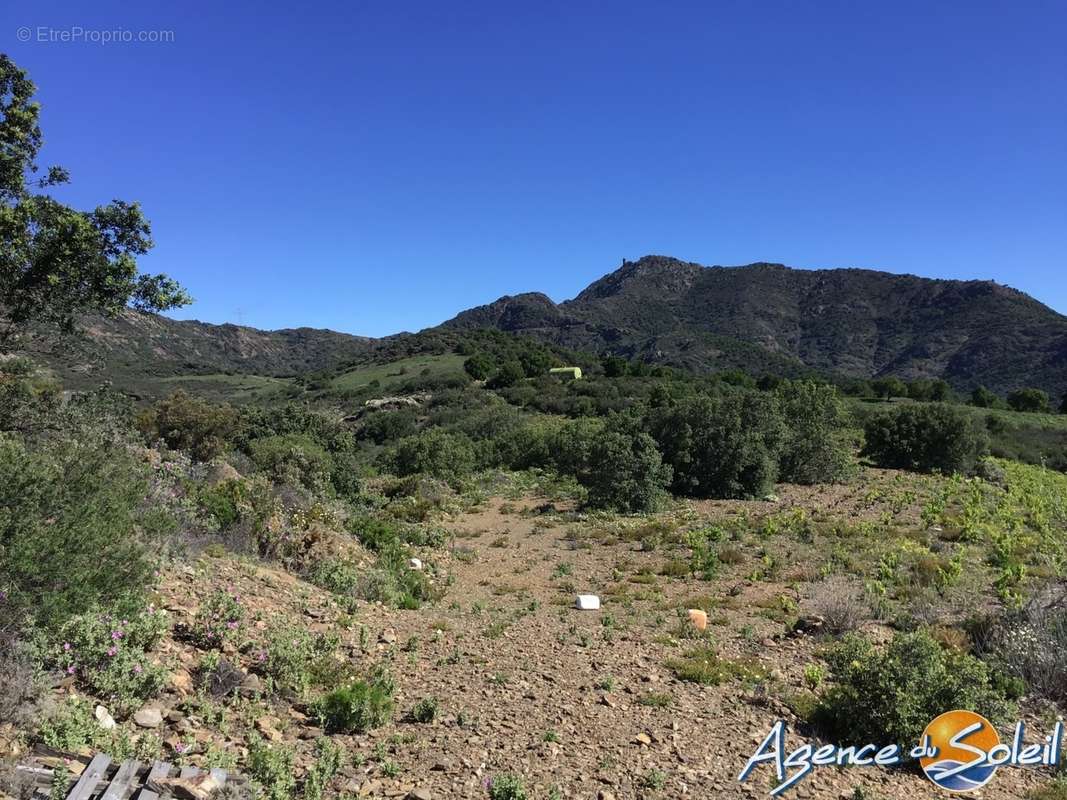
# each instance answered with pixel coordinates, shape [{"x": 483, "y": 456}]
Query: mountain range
[{"x": 761, "y": 317}]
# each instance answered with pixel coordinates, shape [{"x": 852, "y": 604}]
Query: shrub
[
  {"x": 388, "y": 426},
  {"x": 723, "y": 446},
  {"x": 981, "y": 397},
  {"x": 272, "y": 767},
  {"x": 1031, "y": 645},
  {"x": 1032, "y": 400},
  {"x": 434, "y": 452},
  {"x": 327, "y": 764},
  {"x": 926, "y": 438},
  {"x": 202, "y": 429},
  {"x": 479, "y": 366},
  {"x": 625, "y": 472},
  {"x": 890, "y": 695},
  {"x": 106, "y": 651},
  {"x": 357, "y": 707},
  {"x": 220, "y": 619},
  {"x": 507, "y": 787},
  {"x": 841, "y": 606},
  {"x": 336, "y": 575},
  {"x": 817, "y": 445},
  {"x": 425, "y": 710},
  {"x": 292, "y": 458},
  {"x": 69, "y": 530},
  {"x": 21, "y": 688},
  {"x": 295, "y": 660}
]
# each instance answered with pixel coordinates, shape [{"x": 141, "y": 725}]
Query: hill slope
[
  {"x": 761, "y": 317},
  {"x": 854, "y": 322}
]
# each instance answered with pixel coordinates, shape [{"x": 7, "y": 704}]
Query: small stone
[
  {"x": 388, "y": 636},
  {"x": 148, "y": 718},
  {"x": 104, "y": 718},
  {"x": 420, "y": 793},
  {"x": 181, "y": 682},
  {"x": 607, "y": 700},
  {"x": 604, "y": 794},
  {"x": 415, "y": 563},
  {"x": 643, "y": 738},
  {"x": 265, "y": 725}
]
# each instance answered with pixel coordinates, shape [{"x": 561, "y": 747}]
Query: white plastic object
[{"x": 588, "y": 602}]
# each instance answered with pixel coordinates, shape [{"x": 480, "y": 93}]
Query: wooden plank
[
  {"x": 124, "y": 776},
  {"x": 219, "y": 775},
  {"x": 86, "y": 784},
  {"x": 147, "y": 794},
  {"x": 160, "y": 769}
]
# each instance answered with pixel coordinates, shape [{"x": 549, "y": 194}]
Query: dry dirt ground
[{"x": 577, "y": 700}]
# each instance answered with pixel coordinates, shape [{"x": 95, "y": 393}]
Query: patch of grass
[
  {"x": 655, "y": 700},
  {"x": 703, "y": 665}
]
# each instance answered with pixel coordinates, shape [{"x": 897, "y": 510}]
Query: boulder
[{"x": 148, "y": 717}]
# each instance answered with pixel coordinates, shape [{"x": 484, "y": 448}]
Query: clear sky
[{"x": 378, "y": 166}]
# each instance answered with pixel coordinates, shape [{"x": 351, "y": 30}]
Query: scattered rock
[
  {"x": 388, "y": 636},
  {"x": 643, "y": 738},
  {"x": 181, "y": 682},
  {"x": 251, "y": 685},
  {"x": 420, "y": 793},
  {"x": 148, "y": 718},
  {"x": 415, "y": 563},
  {"x": 104, "y": 718},
  {"x": 266, "y": 726}
]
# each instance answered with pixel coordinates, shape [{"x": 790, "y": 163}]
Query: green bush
[
  {"x": 1031, "y": 400},
  {"x": 425, "y": 710},
  {"x": 70, "y": 532},
  {"x": 295, "y": 660},
  {"x": 106, "y": 651},
  {"x": 926, "y": 438},
  {"x": 202, "y": 429},
  {"x": 272, "y": 767},
  {"x": 817, "y": 446},
  {"x": 357, "y": 707},
  {"x": 507, "y": 787},
  {"x": 724, "y": 446},
  {"x": 434, "y": 452},
  {"x": 890, "y": 695},
  {"x": 625, "y": 473},
  {"x": 981, "y": 397},
  {"x": 381, "y": 427},
  {"x": 219, "y": 620},
  {"x": 292, "y": 458}
]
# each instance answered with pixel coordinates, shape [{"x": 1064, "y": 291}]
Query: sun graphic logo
[{"x": 961, "y": 742}]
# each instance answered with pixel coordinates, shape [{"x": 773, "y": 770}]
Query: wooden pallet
[{"x": 103, "y": 779}]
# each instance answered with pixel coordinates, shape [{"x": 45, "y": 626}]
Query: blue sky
[{"x": 375, "y": 167}]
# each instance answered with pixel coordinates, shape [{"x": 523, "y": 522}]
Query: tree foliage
[
  {"x": 927, "y": 438},
  {"x": 722, "y": 446},
  {"x": 55, "y": 261},
  {"x": 1029, "y": 399}
]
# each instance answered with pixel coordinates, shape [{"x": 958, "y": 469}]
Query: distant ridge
[
  {"x": 854, "y": 322},
  {"x": 765, "y": 318}
]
